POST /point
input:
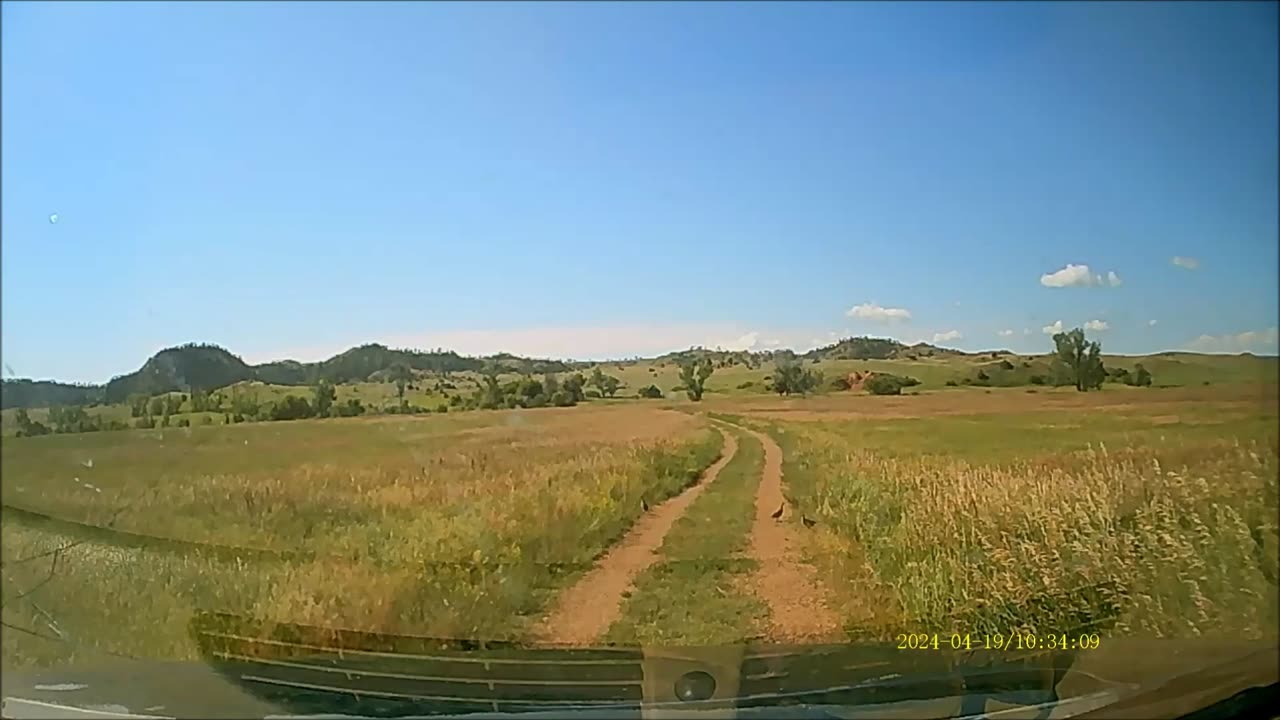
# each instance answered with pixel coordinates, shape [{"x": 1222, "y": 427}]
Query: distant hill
[
  {"x": 188, "y": 367},
  {"x": 45, "y": 393},
  {"x": 206, "y": 367}
]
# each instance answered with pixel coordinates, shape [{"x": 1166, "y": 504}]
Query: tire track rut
[
  {"x": 789, "y": 586},
  {"x": 586, "y": 610}
]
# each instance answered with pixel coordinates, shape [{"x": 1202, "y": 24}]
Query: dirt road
[
  {"x": 583, "y": 612},
  {"x": 789, "y": 586}
]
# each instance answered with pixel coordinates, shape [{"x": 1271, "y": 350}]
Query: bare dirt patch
[{"x": 584, "y": 611}]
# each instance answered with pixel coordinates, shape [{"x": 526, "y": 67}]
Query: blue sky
[{"x": 591, "y": 180}]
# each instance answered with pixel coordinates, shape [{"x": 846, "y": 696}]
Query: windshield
[{"x": 502, "y": 356}]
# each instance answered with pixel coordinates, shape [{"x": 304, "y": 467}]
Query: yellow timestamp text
[{"x": 1012, "y": 640}]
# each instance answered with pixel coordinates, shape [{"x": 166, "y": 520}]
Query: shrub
[
  {"x": 1119, "y": 375},
  {"x": 840, "y": 383},
  {"x": 562, "y": 398},
  {"x": 291, "y": 407},
  {"x": 593, "y": 394},
  {"x": 1006, "y": 365},
  {"x": 745, "y": 385},
  {"x": 652, "y": 392},
  {"x": 982, "y": 375},
  {"x": 952, "y": 383},
  {"x": 183, "y": 422},
  {"x": 1142, "y": 378},
  {"x": 1039, "y": 380},
  {"x": 442, "y": 408},
  {"x": 206, "y": 420},
  {"x": 351, "y": 408},
  {"x": 146, "y": 422},
  {"x": 886, "y": 384},
  {"x": 677, "y": 388}
]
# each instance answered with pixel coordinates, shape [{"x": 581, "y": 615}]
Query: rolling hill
[{"x": 206, "y": 367}]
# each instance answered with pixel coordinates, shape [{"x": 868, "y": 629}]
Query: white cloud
[
  {"x": 1189, "y": 263},
  {"x": 1243, "y": 342},
  {"x": 1053, "y": 329},
  {"x": 1005, "y": 333},
  {"x": 871, "y": 311},
  {"x": 1078, "y": 276},
  {"x": 1151, "y": 323},
  {"x": 1097, "y": 325},
  {"x": 947, "y": 336}
]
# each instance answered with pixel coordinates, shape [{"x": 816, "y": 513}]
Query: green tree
[
  {"x": 244, "y": 403},
  {"x": 790, "y": 377},
  {"x": 888, "y": 384},
  {"x": 693, "y": 376},
  {"x": 575, "y": 385},
  {"x": 1141, "y": 376},
  {"x": 1079, "y": 360},
  {"x": 400, "y": 374},
  {"x": 137, "y": 405},
  {"x": 291, "y": 407},
  {"x": 651, "y": 392},
  {"x": 200, "y": 401},
  {"x": 611, "y": 385},
  {"x": 607, "y": 385},
  {"x": 325, "y": 394},
  {"x": 28, "y": 427}
]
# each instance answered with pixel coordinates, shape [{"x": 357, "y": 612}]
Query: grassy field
[
  {"x": 416, "y": 525},
  {"x": 946, "y": 507},
  {"x": 960, "y": 515}
]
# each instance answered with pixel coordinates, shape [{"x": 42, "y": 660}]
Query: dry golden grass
[
  {"x": 431, "y": 525},
  {"x": 985, "y": 519}
]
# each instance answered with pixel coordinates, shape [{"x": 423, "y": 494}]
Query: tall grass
[
  {"x": 1188, "y": 547},
  {"x": 449, "y": 530}
]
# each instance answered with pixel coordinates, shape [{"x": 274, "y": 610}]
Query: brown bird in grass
[
  {"x": 644, "y": 506},
  {"x": 777, "y": 513},
  {"x": 807, "y": 522}
]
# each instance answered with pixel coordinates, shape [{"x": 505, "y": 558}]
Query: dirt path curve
[
  {"x": 584, "y": 611},
  {"x": 788, "y": 586}
]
